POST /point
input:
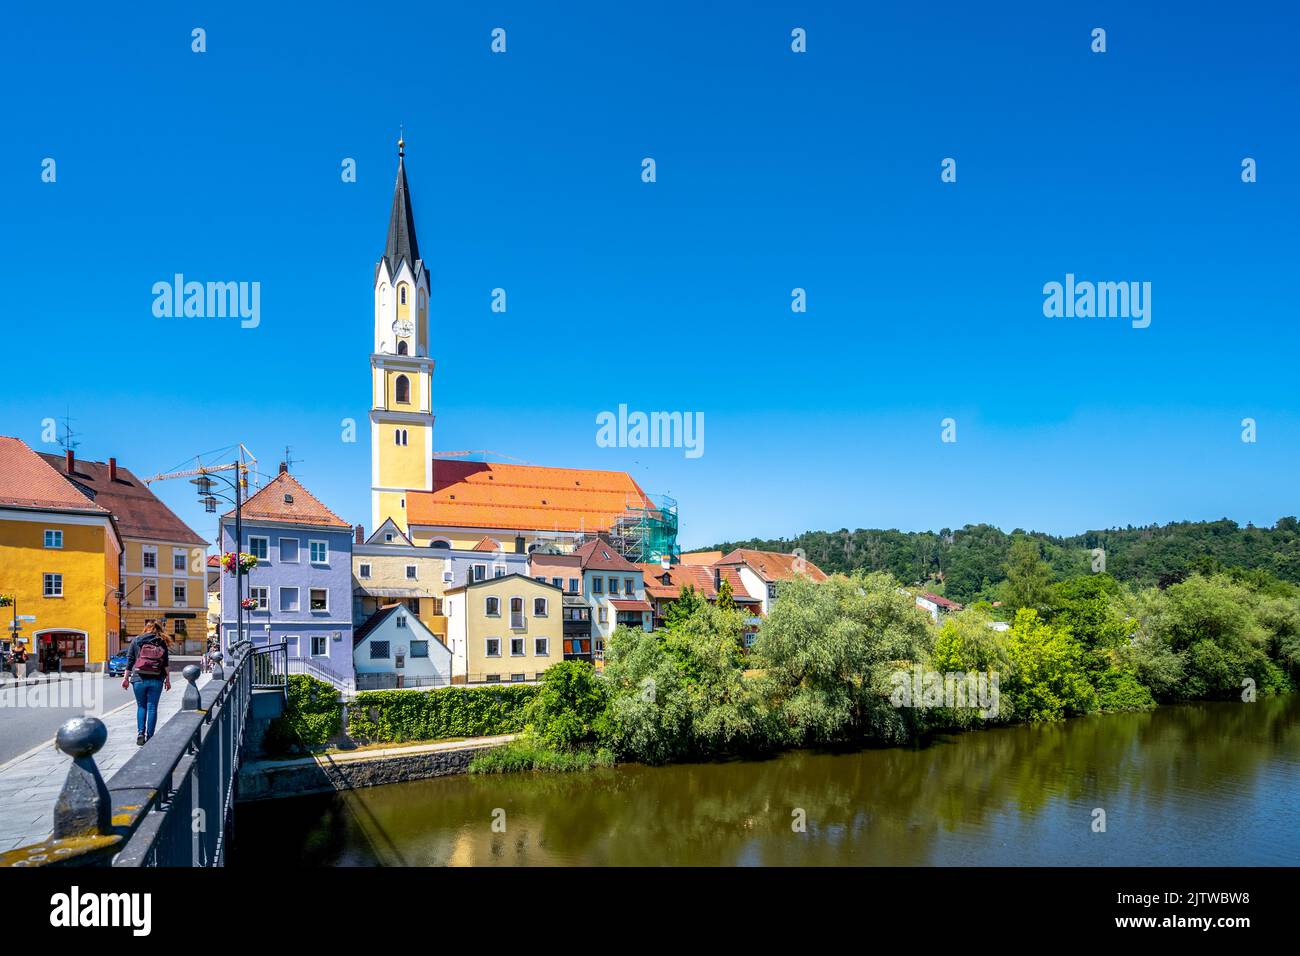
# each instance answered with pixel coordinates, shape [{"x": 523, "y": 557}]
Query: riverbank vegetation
[{"x": 830, "y": 659}]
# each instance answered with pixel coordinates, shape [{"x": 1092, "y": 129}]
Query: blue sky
[{"x": 775, "y": 170}]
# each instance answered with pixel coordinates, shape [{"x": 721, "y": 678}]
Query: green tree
[
  {"x": 688, "y": 602},
  {"x": 828, "y": 649},
  {"x": 1029, "y": 578},
  {"x": 569, "y": 708},
  {"x": 1047, "y": 679},
  {"x": 726, "y": 599}
]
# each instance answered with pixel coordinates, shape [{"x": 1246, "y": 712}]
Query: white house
[{"x": 393, "y": 648}]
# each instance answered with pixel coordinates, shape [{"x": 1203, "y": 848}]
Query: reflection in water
[{"x": 1201, "y": 784}]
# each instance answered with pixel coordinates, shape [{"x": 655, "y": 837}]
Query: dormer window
[{"x": 288, "y": 499}]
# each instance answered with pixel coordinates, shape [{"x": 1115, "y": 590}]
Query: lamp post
[{"x": 236, "y": 497}]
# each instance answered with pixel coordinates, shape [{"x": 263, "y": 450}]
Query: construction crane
[{"x": 247, "y": 462}]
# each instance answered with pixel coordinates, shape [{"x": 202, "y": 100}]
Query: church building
[{"x": 456, "y": 504}]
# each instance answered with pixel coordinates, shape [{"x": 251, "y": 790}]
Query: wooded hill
[{"x": 968, "y": 563}]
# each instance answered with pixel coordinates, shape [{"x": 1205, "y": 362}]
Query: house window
[
  {"x": 379, "y": 651},
  {"x": 401, "y": 621},
  {"x": 573, "y": 585},
  {"x": 613, "y": 585},
  {"x": 403, "y": 390},
  {"x": 289, "y": 550},
  {"x": 179, "y": 598},
  {"x": 261, "y": 596},
  {"x": 492, "y": 607},
  {"x": 480, "y": 572},
  {"x": 319, "y": 598},
  {"x": 539, "y": 607},
  {"x": 259, "y": 546},
  {"x": 539, "y": 577},
  {"x": 597, "y": 585},
  {"x": 151, "y": 594},
  {"x": 410, "y": 572},
  {"x": 319, "y": 646},
  {"x": 517, "y": 678},
  {"x": 492, "y": 678},
  {"x": 516, "y": 647},
  {"x": 629, "y": 587},
  {"x": 419, "y": 648},
  {"x": 149, "y": 558},
  {"x": 541, "y": 646},
  {"x": 771, "y": 590},
  {"x": 516, "y": 612},
  {"x": 498, "y": 570},
  {"x": 492, "y": 647},
  {"x": 363, "y": 571},
  {"x": 388, "y": 536},
  {"x": 178, "y": 560},
  {"x": 437, "y": 607},
  {"x": 53, "y": 539},
  {"x": 603, "y": 617},
  {"x": 288, "y": 599},
  {"x": 53, "y": 585},
  {"x": 320, "y": 552},
  {"x": 291, "y": 644},
  {"x": 558, "y": 582}
]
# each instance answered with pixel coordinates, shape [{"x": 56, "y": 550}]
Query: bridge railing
[{"x": 172, "y": 803}]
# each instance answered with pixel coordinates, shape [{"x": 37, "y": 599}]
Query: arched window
[
  {"x": 440, "y": 543},
  {"x": 403, "y": 295},
  {"x": 401, "y": 348},
  {"x": 403, "y": 389},
  {"x": 399, "y": 438}
]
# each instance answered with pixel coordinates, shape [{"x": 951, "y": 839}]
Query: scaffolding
[{"x": 647, "y": 533}]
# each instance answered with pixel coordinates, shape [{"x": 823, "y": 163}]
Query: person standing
[
  {"x": 147, "y": 661},
  {"x": 19, "y": 661}
]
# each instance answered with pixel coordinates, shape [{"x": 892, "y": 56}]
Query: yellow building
[
  {"x": 504, "y": 629},
  {"x": 60, "y": 561},
  {"x": 165, "y": 563},
  {"x": 387, "y": 569}
]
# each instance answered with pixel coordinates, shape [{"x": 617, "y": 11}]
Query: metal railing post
[{"x": 83, "y": 807}]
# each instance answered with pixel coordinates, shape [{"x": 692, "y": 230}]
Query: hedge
[
  {"x": 312, "y": 716},
  {"x": 399, "y": 716}
]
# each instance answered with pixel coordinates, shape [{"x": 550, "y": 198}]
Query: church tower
[{"x": 401, "y": 372}]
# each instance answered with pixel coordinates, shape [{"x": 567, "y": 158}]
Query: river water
[{"x": 1199, "y": 784}]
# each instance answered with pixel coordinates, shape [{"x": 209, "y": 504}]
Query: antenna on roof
[
  {"x": 289, "y": 460},
  {"x": 66, "y": 441}
]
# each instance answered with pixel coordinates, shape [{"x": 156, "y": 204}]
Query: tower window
[
  {"x": 401, "y": 348},
  {"x": 403, "y": 294},
  {"x": 399, "y": 436},
  {"x": 403, "y": 390}
]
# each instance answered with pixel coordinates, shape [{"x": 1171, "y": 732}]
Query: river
[{"x": 1187, "y": 785}]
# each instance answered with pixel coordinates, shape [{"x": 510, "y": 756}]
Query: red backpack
[{"x": 151, "y": 661}]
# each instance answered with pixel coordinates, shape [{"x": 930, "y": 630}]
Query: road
[{"x": 30, "y": 714}]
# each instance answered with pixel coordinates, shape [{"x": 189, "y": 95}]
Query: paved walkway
[{"x": 29, "y": 784}]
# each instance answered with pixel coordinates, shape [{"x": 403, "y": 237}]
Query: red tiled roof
[
  {"x": 701, "y": 557},
  {"x": 477, "y": 494},
  {"x": 679, "y": 576},
  {"x": 739, "y": 593},
  {"x": 631, "y": 605},
  {"x": 941, "y": 601},
  {"x": 27, "y": 481},
  {"x": 139, "y": 512},
  {"x": 598, "y": 555},
  {"x": 269, "y": 504},
  {"x": 772, "y": 565},
  {"x": 487, "y": 544}
]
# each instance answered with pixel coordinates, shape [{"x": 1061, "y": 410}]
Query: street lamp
[{"x": 207, "y": 495}]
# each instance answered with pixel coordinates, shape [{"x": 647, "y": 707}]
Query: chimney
[
  {"x": 361, "y": 534},
  {"x": 69, "y": 461},
  {"x": 284, "y": 468},
  {"x": 112, "y": 469}
]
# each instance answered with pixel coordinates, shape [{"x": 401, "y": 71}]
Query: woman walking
[{"x": 146, "y": 670}]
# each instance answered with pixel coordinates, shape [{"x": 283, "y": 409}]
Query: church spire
[{"x": 401, "y": 223}]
